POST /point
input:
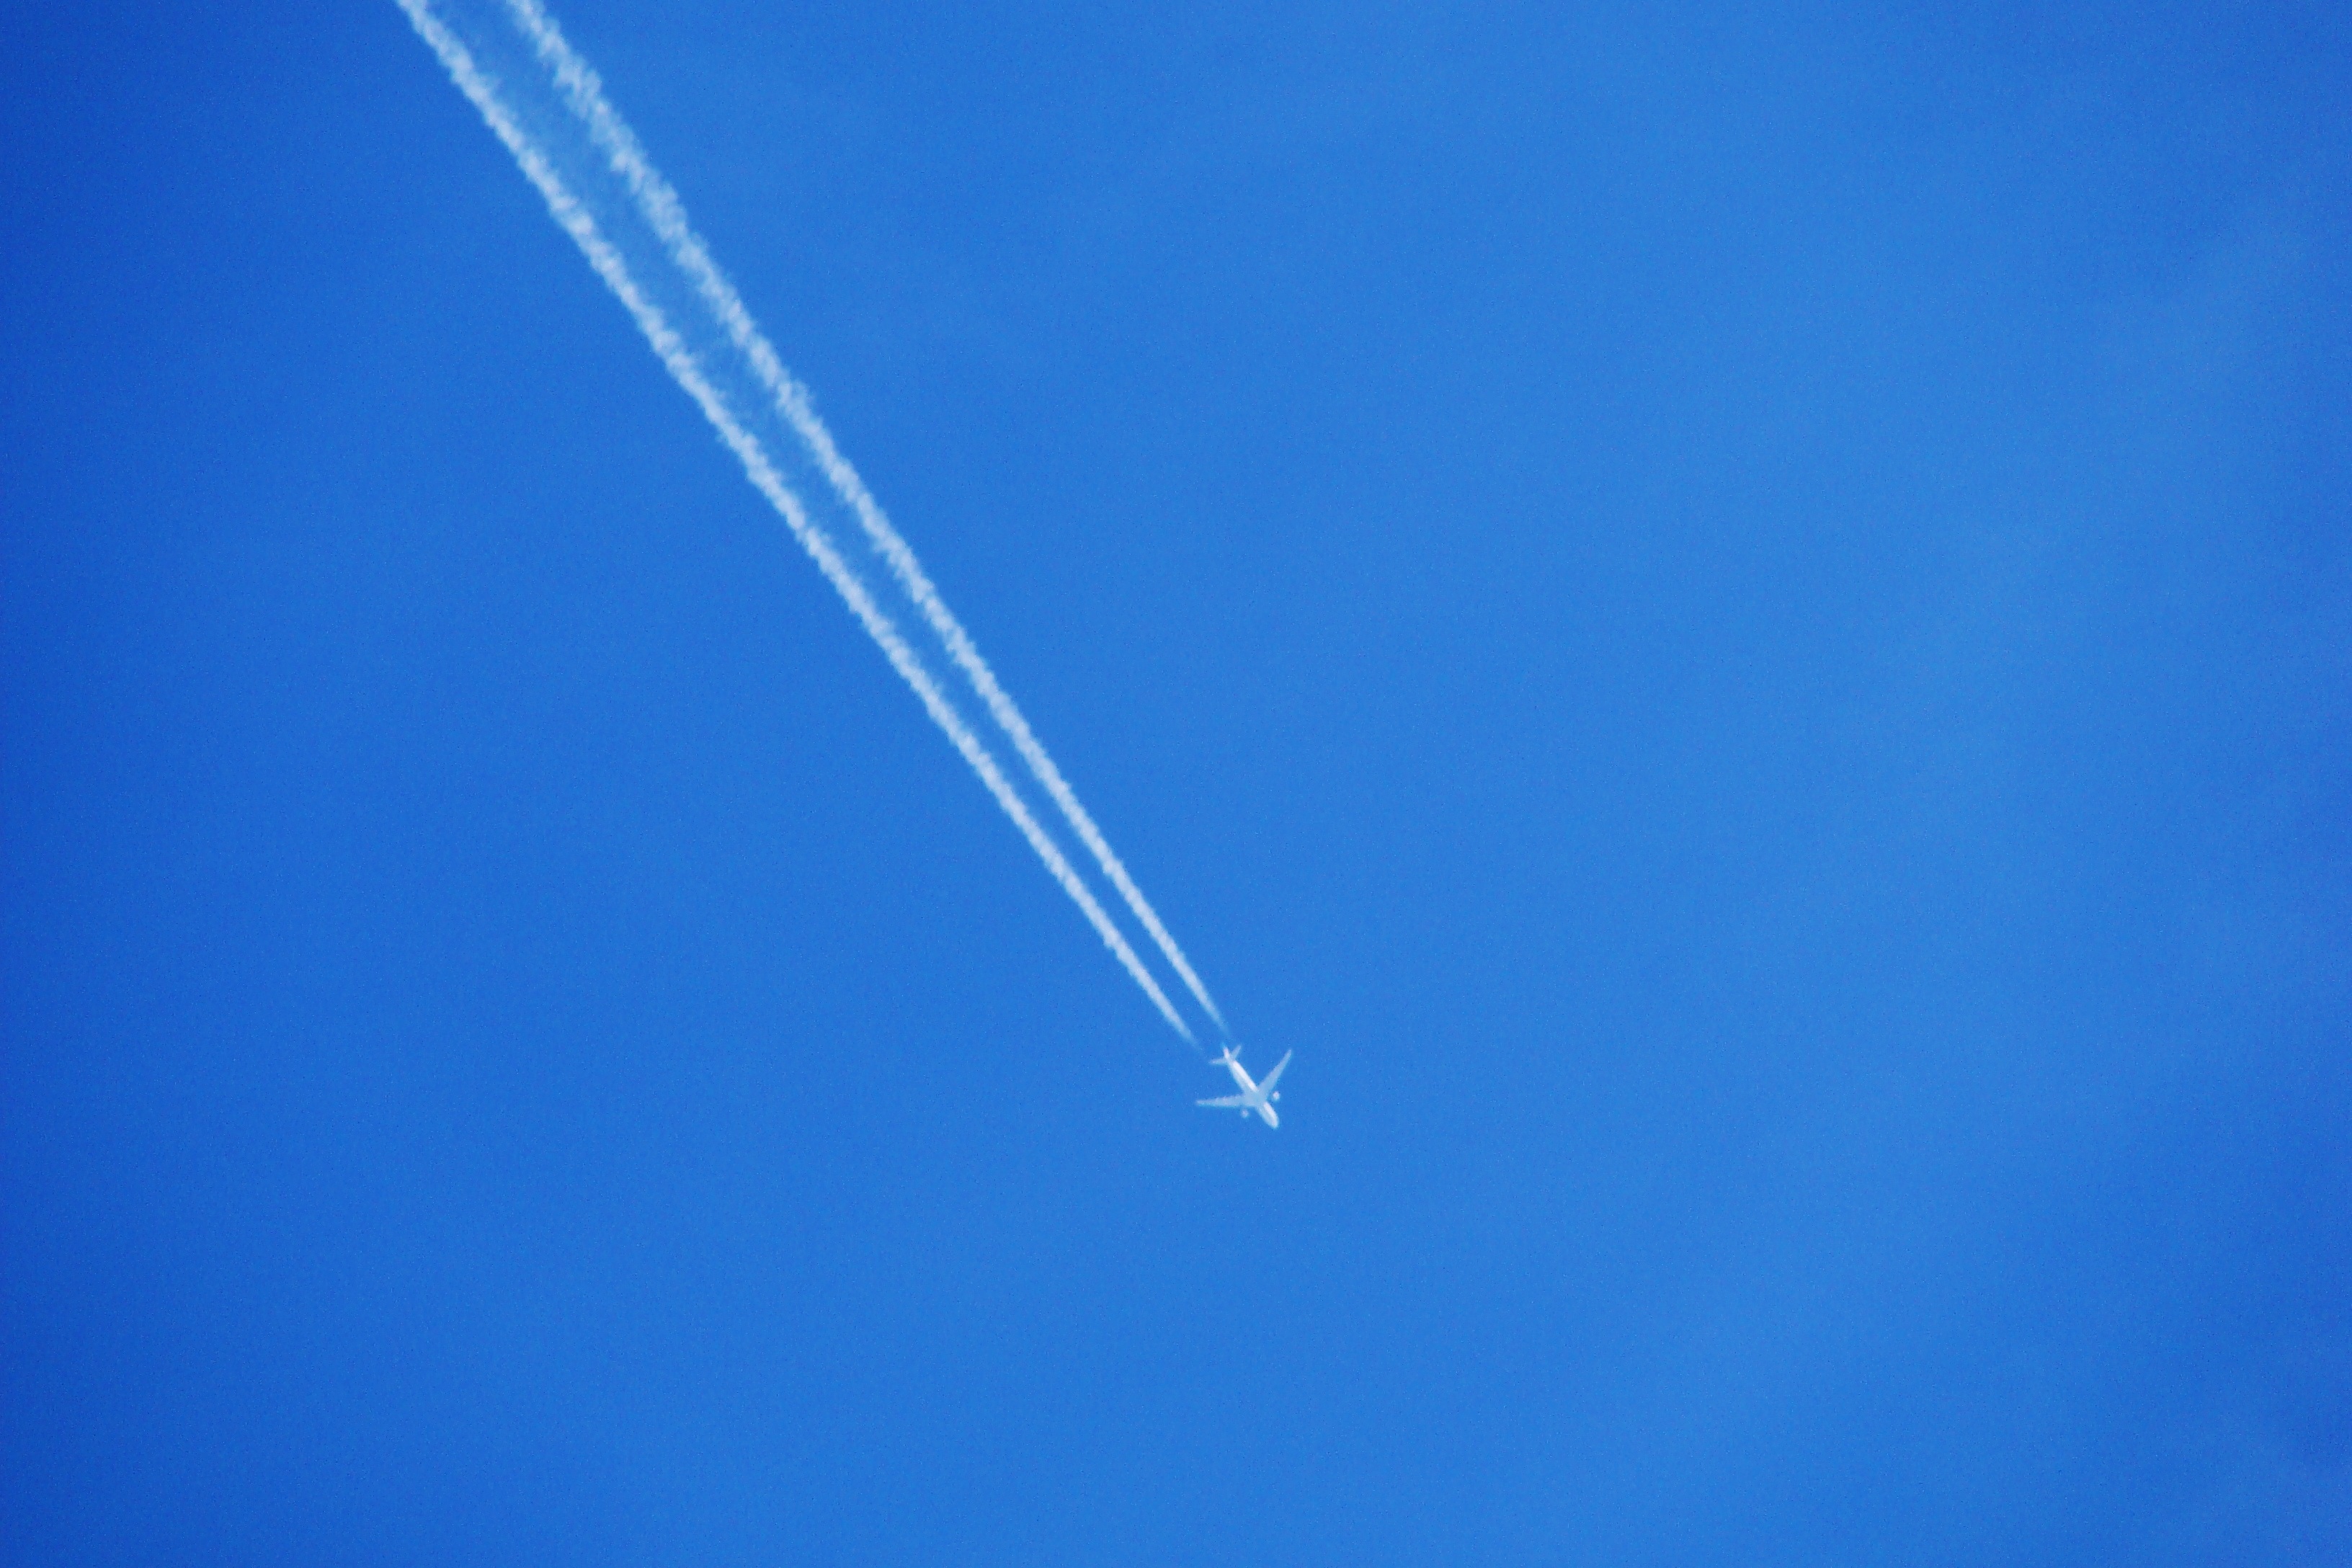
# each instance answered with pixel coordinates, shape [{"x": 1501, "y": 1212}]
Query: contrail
[
  {"x": 574, "y": 217},
  {"x": 659, "y": 204}
]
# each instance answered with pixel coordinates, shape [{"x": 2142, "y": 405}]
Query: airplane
[{"x": 1257, "y": 1096}]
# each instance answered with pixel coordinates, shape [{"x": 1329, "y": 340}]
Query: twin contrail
[
  {"x": 657, "y": 205},
  {"x": 661, "y": 208}
]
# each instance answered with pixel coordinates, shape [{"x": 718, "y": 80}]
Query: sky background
[{"x": 1737, "y": 630}]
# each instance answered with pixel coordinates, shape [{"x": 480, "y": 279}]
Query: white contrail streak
[
  {"x": 576, "y": 220},
  {"x": 660, "y": 205}
]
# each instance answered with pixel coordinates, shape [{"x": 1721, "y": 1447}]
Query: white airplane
[{"x": 1257, "y": 1096}]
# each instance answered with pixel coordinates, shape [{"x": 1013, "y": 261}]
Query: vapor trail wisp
[
  {"x": 659, "y": 205},
  {"x": 540, "y": 165}
]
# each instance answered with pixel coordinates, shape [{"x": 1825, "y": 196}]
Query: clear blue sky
[{"x": 1740, "y": 631}]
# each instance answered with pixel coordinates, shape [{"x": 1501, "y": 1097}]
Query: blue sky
[{"x": 1736, "y": 630}]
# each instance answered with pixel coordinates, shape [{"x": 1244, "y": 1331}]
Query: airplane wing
[
  {"x": 1227, "y": 1103},
  {"x": 1265, "y": 1084}
]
